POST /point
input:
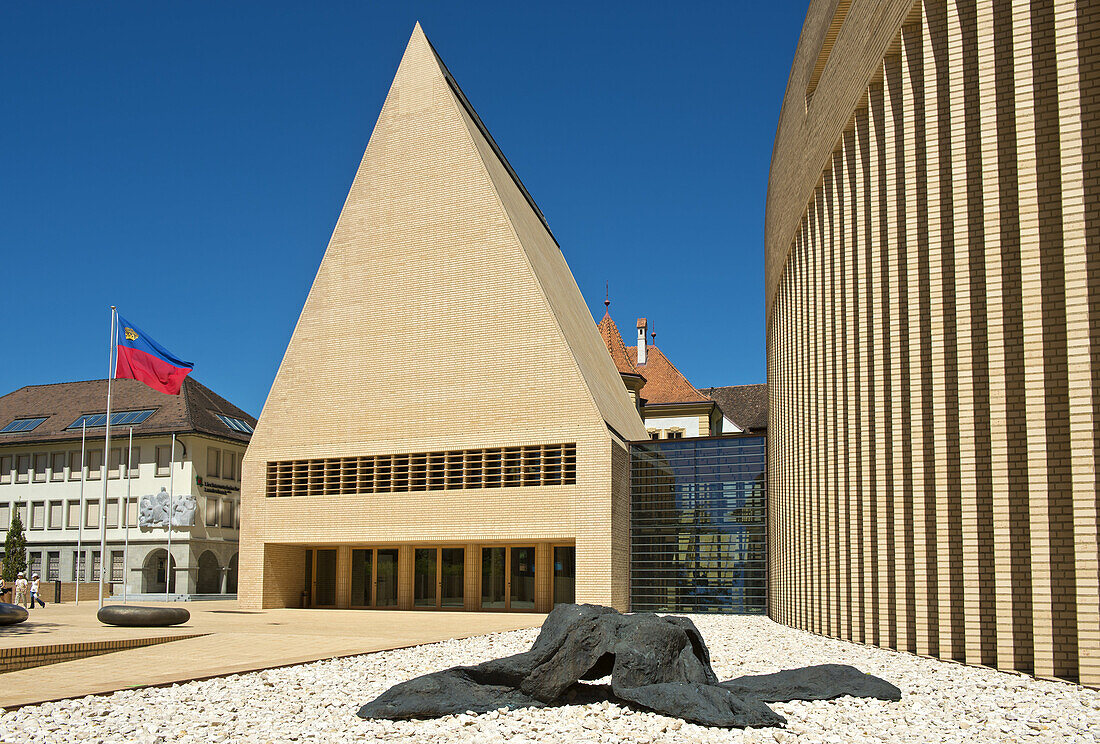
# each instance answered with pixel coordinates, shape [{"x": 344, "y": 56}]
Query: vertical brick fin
[
  {"x": 1081, "y": 192},
  {"x": 938, "y": 396}
]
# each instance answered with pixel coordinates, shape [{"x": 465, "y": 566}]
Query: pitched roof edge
[{"x": 489, "y": 138}]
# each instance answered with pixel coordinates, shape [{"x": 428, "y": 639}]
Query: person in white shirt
[
  {"x": 20, "y": 590},
  {"x": 35, "y": 597}
]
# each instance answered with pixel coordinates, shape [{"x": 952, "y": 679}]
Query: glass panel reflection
[
  {"x": 522, "y": 578},
  {"x": 698, "y": 525},
  {"x": 452, "y": 572},
  {"x": 424, "y": 577},
  {"x": 361, "y": 561},
  {"x": 492, "y": 578},
  {"x": 565, "y": 573},
  {"x": 385, "y": 594},
  {"x": 324, "y": 578}
]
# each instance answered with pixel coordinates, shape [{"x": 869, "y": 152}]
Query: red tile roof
[
  {"x": 624, "y": 362},
  {"x": 664, "y": 383}
]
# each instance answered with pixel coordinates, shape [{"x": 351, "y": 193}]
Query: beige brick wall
[
  {"x": 933, "y": 321},
  {"x": 443, "y": 316}
]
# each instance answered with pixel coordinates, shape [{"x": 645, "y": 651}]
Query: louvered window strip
[{"x": 503, "y": 467}]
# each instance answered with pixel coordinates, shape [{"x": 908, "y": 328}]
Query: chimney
[{"x": 641, "y": 340}]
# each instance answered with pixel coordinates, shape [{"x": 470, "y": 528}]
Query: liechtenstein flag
[{"x": 142, "y": 358}]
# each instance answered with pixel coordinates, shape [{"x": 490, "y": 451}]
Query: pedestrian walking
[
  {"x": 5, "y": 590},
  {"x": 20, "y": 590},
  {"x": 35, "y": 596}
]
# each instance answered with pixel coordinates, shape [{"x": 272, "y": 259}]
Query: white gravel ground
[{"x": 942, "y": 702}]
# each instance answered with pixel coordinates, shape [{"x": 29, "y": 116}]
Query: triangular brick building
[{"x": 446, "y": 428}]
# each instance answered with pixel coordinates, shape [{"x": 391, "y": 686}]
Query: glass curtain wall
[{"x": 697, "y": 525}]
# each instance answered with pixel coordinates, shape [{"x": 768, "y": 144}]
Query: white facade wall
[{"x": 49, "y": 501}]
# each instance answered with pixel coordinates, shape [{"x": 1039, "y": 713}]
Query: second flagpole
[{"x": 106, "y": 457}]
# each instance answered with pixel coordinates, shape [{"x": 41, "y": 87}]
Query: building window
[
  {"x": 57, "y": 466},
  {"x": 22, "y": 468},
  {"x": 229, "y": 465},
  {"x": 56, "y": 515},
  {"x": 132, "y": 458},
  {"x": 114, "y": 463},
  {"x": 91, "y": 509},
  {"x": 76, "y": 467},
  {"x": 227, "y": 513},
  {"x": 78, "y": 565},
  {"x": 95, "y": 565},
  {"x": 34, "y": 564},
  {"x": 95, "y": 464},
  {"x": 72, "y": 519},
  {"x": 41, "y": 461},
  {"x": 53, "y": 565},
  {"x": 21, "y": 510},
  {"x": 5, "y": 518},
  {"x": 675, "y": 433},
  {"x": 212, "y": 461},
  {"x": 532, "y": 465},
  {"x": 7, "y": 462},
  {"x": 112, "y": 513},
  {"x": 38, "y": 516},
  {"x": 164, "y": 454},
  {"x": 131, "y": 512},
  {"x": 654, "y": 433},
  {"x": 211, "y": 512},
  {"x": 118, "y": 569}
]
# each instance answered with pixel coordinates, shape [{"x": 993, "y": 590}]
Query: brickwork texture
[
  {"x": 443, "y": 316},
  {"x": 933, "y": 309}
]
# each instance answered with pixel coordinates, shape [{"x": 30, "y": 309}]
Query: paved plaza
[{"x": 224, "y": 640}]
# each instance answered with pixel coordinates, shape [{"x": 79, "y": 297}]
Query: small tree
[{"x": 15, "y": 549}]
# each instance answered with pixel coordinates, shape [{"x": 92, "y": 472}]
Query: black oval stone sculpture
[
  {"x": 12, "y": 614},
  {"x": 134, "y": 616},
  {"x": 659, "y": 663}
]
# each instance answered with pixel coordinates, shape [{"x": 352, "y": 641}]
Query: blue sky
[{"x": 187, "y": 162}]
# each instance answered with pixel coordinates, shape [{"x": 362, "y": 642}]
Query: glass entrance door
[
  {"x": 508, "y": 578},
  {"x": 324, "y": 578},
  {"x": 493, "y": 578},
  {"x": 385, "y": 582},
  {"x": 452, "y": 575},
  {"x": 374, "y": 577},
  {"x": 521, "y": 579},
  {"x": 565, "y": 574},
  {"x": 439, "y": 578},
  {"x": 425, "y": 577}
]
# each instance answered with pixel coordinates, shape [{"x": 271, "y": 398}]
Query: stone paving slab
[{"x": 235, "y": 641}]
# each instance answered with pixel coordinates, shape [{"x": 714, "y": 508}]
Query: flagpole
[
  {"x": 125, "y": 513},
  {"x": 78, "y": 569},
  {"x": 106, "y": 458},
  {"x": 168, "y": 576}
]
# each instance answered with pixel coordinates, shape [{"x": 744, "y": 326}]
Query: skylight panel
[
  {"x": 23, "y": 424},
  {"x": 235, "y": 424},
  {"x": 122, "y": 418}
]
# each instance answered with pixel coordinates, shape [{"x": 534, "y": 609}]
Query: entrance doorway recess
[
  {"x": 508, "y": 578},
  {"x": 439, "y": 578},
  {"x": 374, "y": 577}
]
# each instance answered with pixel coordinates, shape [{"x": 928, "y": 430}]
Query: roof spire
[
  {"x": 653, "y": 333},
  {"x": 607, "y": 294}
]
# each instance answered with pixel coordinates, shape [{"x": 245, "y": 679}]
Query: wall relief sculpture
[{"x": 153, "y": 510}]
